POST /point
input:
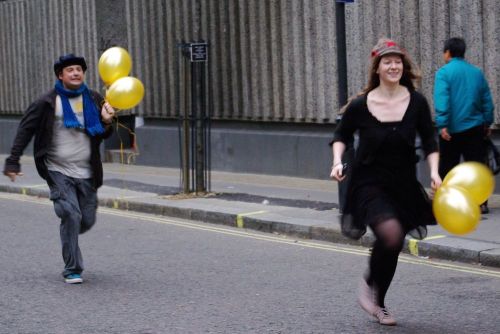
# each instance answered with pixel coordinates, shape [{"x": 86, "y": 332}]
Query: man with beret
[
  {"x": 464, "y": 109},
  {"x": 68, "y": 123}
]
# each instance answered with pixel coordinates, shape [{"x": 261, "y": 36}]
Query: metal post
[
  {"x": 192, "y": 124},
  {"x": 206, "y": 135},
  {"x": 341, "y": 52},
  {"x": 342, "y": 91},
  {"x": 193, "y": 112},
  {"x": 198, "y": 146},
  {"x": 185, "y": 123},
  {"x": 200, "y": 129}
]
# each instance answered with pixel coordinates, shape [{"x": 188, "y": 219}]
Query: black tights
[{"x": 384, "y": 259}]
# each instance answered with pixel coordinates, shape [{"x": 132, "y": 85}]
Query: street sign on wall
[{"x": 198, "y": 52}]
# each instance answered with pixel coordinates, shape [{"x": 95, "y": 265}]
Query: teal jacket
[{"x": 462, "y": 98}]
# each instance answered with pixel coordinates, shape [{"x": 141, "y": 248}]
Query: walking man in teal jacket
[{"x": 464, "y": 109}]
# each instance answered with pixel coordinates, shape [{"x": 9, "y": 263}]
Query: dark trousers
[
  {"x": 468, "y": 145},
  {"x": 75, "y": 202}
]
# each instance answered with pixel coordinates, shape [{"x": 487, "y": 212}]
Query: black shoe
[{"x": 484, "y": 209}]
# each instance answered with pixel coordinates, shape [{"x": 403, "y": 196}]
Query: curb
[{"x": 449, "y": 248}]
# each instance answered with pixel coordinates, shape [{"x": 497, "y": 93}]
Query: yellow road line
[
  {"x": 435, "y": 237},
  {"x": 38, "y": 185},
  {"x": 136, "y": 196},
  {"x": 413, "y": 247},
  {"x": 24, "y": 190},
  {"x": 413, "y": 243},
  {"x": 269, "y": 238},
  {"x": 364, "y": 252},
  {"x": 239, "y": 217},
  {"x": 228, "y": 231}
]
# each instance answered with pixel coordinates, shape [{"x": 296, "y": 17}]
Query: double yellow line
[
  {"x": 301, "y": 243},
  {"x": 470, "y": 269}
]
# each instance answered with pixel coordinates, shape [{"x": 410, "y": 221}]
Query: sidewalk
[{"x": 296, "y": 207}]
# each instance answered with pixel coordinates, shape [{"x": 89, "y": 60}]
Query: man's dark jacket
[{"x": 38, "y": 121}]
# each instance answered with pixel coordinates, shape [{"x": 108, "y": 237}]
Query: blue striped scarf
[{"x": 90, "y": 112}]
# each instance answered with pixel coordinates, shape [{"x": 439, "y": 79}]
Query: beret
[
  {"x": 68, "y": 60},
  {"x": 385, "y": 46}
]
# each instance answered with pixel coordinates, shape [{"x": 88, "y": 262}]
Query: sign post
[
  {"x": 348, "y": 156},
  {"x": 194, "y": 116}
]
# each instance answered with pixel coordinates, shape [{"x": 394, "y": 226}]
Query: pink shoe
[
  {"x": 384, "y": 317},
  {"x": 367, "y": 298}
]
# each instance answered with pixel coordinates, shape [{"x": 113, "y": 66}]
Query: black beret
[{"x": 68, "y": 60}]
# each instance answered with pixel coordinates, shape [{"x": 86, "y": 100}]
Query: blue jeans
[{"x": 75, "y": 202}]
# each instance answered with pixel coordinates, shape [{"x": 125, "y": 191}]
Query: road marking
[
  {"x": 271, "y": 238},
  {"x": 239, "y": 217},
  {"x": 24, "y": 190},
  {"x": 408, "y": 259},
  {"x": 435, "y": 237},
  {"x": 25, "y": 198},
  {"x": 413, "y": 246},
  {"x": 413, "y": 243}
]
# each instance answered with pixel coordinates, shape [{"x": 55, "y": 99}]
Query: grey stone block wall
[
  {"x": 32, "y": 35},
  {"x": 269, "y": 60},
  {"x": 422, "y": 27},
  {"x": 8, "y": 127},
  {"x": 278, "y": 149},
  {"x": 272, "y": 64}
]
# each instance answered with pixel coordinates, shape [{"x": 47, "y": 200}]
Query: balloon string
[
  {"x": 134, "y": 147},
  {"x": 122, "y": 150},
  {"x": 135, "y": 150},
  {"x": 130, "y": 132}
]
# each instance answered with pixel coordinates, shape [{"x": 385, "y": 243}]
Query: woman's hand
[
  {"x": 433, "y": 160},
  {"x": 435, "y": 183},
  {"x": 337, "y": 172},
  {"x": 338, "y": 149}
]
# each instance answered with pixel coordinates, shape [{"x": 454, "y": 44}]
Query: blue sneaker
[{"x": 73, "y": 279}]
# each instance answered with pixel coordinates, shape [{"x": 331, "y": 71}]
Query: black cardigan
[
  {"x": 38, "y": 121},
  {"x": 372, "y": 132}
]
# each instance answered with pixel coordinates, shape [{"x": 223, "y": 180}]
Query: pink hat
[{"x": 385, "y": 46}]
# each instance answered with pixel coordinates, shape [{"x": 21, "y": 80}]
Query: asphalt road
[{"x": 147, "y": 274}]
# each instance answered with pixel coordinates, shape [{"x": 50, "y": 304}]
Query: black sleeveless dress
[{"x": 383, "y": 182}]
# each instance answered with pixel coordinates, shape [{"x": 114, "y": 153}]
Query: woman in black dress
[{"x": 384, "y": 193}]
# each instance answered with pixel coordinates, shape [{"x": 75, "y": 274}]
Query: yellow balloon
[
  {"x": 125, "y": 93},
  {"x": 114, "y": 63},
  {"x": 476, "y": 178},
  {"x": 455, "y": 210}
]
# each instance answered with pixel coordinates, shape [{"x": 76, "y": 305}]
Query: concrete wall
[
  {"x": 270, "y": 60},
  {"x": 275, "y": 60},
  {"x": 422, "y": 27},
  {"x": 8, "y": 128},
  {"x": 32, "y": 35},
  {"x": 272, "y": 65},
  {"x": 280, "y": 149}
]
